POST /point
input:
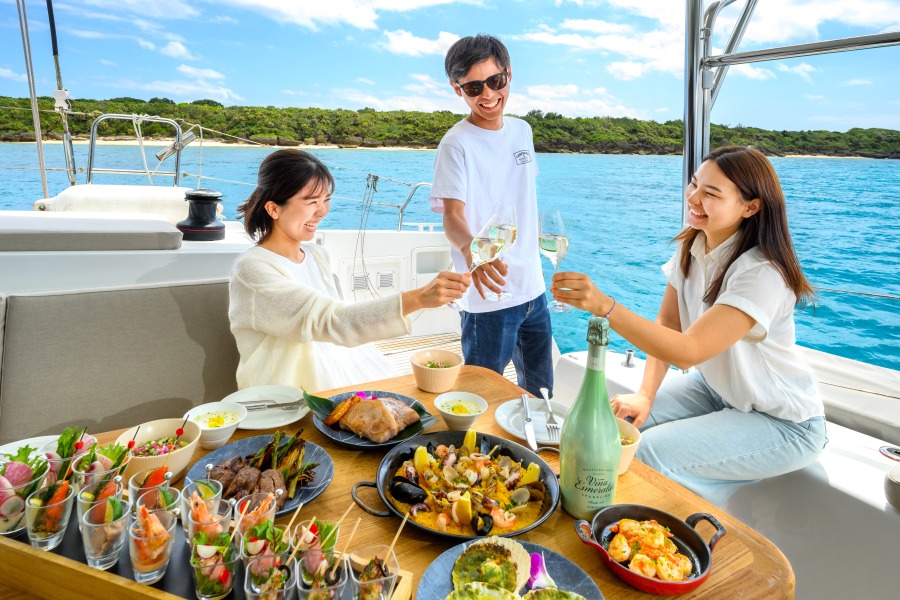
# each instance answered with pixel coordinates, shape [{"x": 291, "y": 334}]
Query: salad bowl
[{"x": 177, "y": 460}]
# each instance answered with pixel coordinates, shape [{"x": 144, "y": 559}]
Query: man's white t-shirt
[
  {"x": 482, "y": 168},
  {"x": 765, "y": 370}
]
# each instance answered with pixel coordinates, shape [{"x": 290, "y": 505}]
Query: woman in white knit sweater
[{"x": 286, "y": 314}]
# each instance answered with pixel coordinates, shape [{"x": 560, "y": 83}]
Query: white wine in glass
[
  {"x": 506, "y": 227},
  {"x": 554, "y": 244},
  {"x": 487, "y": 245}
]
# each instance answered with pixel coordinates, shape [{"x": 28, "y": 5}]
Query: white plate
[
  {"x": 509, "y": 417},
  {"x": 272, "y": 417},
  {"x": 35, "y": 442}
]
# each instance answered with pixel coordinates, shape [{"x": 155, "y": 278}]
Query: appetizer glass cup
[
  {"x": 47, "y": 522},
  {"x": 203, "y": 487},
  {"x": 12, "y": 515},
  {"x": 84, "y": 500},
  {"x": 314, "y": 579},
  {"x": 103, "y": 541},
  {"x": 260, "y": 570},
  {"x": 250, "y": 503},
  {"x": 135, "y": 489},
  {"x": 81, "y": 478},
  {"x": 211, "y": 517},
  {"x": 151, "y": 550},
  {"x": 58, "y": 466},
  {"x": 160, "y": 498},
  {"x": 246, "y": 555},
  {"x": 214, "y": 577},
  {"x": 362, "y": 584}
]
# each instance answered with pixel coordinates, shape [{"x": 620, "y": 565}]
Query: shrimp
[
  {"x": 619, "y": 548},
  {"x": 669, "y": 569},
  {"x": 503, "y": 518},
  {"x": 627, "y": 527},
  {"x": 642, "y": 565},
  {"x": 653, "y": 537},
  {"x": 257, "y": 515},
  {"x": 204, "y": 521},
  {"x": 685, "y": 564},
  {"x": 154, "y": 540},
  {"x": 442, "y": 522}
]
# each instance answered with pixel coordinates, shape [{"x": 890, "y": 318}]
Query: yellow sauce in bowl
[
  {"x": 215, "y": 419},
  {"x": 461, "y": 407}
]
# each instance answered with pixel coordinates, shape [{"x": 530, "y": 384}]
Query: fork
[{"x": 553, "y": 425}]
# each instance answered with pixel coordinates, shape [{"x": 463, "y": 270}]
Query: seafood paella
[{"x": 465, "y": 492}]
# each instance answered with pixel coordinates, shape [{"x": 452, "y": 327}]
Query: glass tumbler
[
  {"x": 150, "y": 539},
  {"x": 103, "y": 534}
]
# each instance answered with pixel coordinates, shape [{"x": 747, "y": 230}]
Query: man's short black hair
[{"x": 472, "y": 50}]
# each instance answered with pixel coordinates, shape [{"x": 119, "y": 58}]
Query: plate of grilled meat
[
  {"x": 369, "y": 418},
  {"x": 265, "y": 463}
]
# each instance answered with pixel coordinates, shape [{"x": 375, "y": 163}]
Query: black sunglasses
[{"x": 495, "y": 82}]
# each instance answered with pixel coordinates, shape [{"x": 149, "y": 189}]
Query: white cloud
[
  {"x": 814, "y": 97},
  {"x": 857, "y": 82},
  {"x": 224, "y": 19},
  {"x": 146, "y": 44},
  {"x": 365, "y": 81},
  {"x": 552, "y": 91},
  {"x": 661, "y": 109},
  {"x": 8, "y": 74},
  {"x": 802, "y": 70},
  {"x": 177, "y": 50},
  {"x": 404, "y": 42},
  {"x": 293, "y": 93},
  {"x": 362, "y": 14},
  {"x": 183, "y": 90},
  {"x": 199, "y": 73},
  {"x": 595, "y": 26},
  {"x": 108, "y": 63},
  {"x": 89, "y": 34},
  {"x": 168, "y": 9},
  {"x": 751, "y": 72}
]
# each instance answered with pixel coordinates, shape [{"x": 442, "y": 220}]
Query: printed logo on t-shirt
[{"x": 522, "y": 157}]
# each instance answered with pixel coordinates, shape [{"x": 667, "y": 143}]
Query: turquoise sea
[{"x": 621, "y": 213}]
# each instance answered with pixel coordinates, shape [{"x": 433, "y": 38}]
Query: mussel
[
  {"x": 406, "y": 491},
  {"x": 482, "y": 524}
]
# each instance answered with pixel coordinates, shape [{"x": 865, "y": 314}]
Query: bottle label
[
  {"x": 596, "y": 363},
  {"x": 593, "y": 488}
]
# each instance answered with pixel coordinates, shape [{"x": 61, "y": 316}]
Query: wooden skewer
[
  {"x": 397, "y": 536},
  {"x": 238, "y": 524},
  {"x": 346, "y": 547},
  {"x": 297, "y": 545},
  {"x": 291, "y": 522},
  {"x": 337, "y": 526}
]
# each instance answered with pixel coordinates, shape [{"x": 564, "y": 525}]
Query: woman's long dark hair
[
  {"x": 754, "y": 177},
  {"x": 281, "y": 175}
]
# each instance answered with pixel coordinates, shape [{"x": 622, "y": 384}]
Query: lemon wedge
[
  {"x": 532, "y": 474},
  {"x": 421, "y": 459},
  {"x": 469, "y": 440},
  {"x": 462, "y": 510}
]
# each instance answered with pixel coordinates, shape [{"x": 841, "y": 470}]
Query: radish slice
[
  {"x": 204, "y": 551},
  {"x": 255, "y": 547},
  {"x": 11, "y": 507}
]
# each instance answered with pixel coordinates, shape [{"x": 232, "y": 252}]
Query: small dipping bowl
[
  {"x": 460, "y": 409},
  {"x": 628, "y": 431},
  {"x": 435, "y": 380},
  {"x": 217, "y": 422}
]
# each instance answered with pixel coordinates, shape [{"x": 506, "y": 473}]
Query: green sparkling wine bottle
[{"x": 589, "y": 447}]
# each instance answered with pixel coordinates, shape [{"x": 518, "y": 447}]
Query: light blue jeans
[{"x": 693, "y": 438}]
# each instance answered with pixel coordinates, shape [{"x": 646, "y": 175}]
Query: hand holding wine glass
[
  {"x": 507, "y": 228},
  {"x": 553, "y": 245},
  {"x": 485, "y": 247}
]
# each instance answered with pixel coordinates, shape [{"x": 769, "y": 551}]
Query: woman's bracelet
[{"x": 611, "y": 308}]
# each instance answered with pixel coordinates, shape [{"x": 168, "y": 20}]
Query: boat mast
[
  {"x": 61, "y": 98},
  {"x": 704, "y": 72},
  {"x": 35, "y": 114}
]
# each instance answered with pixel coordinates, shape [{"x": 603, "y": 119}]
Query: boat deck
[{"x": 398, "y": 350}]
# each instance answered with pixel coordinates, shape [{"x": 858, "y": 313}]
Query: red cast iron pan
[{"x": 685, "y": 536}]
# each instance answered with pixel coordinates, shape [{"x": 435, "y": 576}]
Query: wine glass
[
  {"x": 487, "y": 245},
  {"x": 554, "y": 244},
  {"x": 507, "y": 228}
]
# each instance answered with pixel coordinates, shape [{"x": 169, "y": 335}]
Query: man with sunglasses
[{"x": 484, "y": 161}]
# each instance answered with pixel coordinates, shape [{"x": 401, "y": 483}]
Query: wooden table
[{"x": 745, "y": 564}]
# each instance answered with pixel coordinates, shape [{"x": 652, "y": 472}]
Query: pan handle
[
  {"x": 548, "y": 449},
  {"x": 720, "y": 530},
  {"x": 363, "y": 505},
  {"x": 583, "y": 529}
]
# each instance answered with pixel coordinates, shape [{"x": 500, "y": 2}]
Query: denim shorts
[
  {"x": 694, "y": 438},
  {"x": 519, "y": 333}
]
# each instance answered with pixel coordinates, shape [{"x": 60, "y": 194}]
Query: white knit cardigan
[{"x": 276, "y": 321}]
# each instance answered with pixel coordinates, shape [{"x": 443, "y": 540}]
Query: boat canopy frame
[{"x": 705, "y": 72}]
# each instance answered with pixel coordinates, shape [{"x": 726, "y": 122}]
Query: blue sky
[{"x": 575, "y": 57}]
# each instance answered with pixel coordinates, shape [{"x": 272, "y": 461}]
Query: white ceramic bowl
[
  {"x": 460, "y": 409},
  {"x": 633, "y": 433},
  {"x": 177, "y": 461},
  {"x": 212, "y": 434},
  {"x": 435, "y": 380}
]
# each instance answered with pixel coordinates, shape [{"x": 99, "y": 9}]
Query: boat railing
[{"x": 137, "y": 121}]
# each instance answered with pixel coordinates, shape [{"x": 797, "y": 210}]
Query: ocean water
[{"x": 620, "y": 211}]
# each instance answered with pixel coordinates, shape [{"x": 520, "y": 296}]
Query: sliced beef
[
  {"x": 271, "y": 480},
  {"x": 244, "y": 483}
]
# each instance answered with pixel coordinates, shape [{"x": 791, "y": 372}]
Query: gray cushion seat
[
  {"x": 112, "y": 358},
  {"x": 23, "y": 231}
]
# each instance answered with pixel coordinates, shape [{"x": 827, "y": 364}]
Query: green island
[{"x": 369, "y": 128}]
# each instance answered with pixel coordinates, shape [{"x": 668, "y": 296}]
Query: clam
[
  {"x": 406, "y": 491},
  {"x": 519, "y": 499},
  {"x": 505, "y": 462},
  {"x": 454, "y": 478},
  {"x": 536, "y": 489},
  {"x": 471, "y": 475},
  {"x": 482, "y": 524}
]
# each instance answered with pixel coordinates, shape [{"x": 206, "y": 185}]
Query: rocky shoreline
[{"x": 621, "y": 147}]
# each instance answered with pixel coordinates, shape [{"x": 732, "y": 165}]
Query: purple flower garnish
[{"x": 540, "y": 579}]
